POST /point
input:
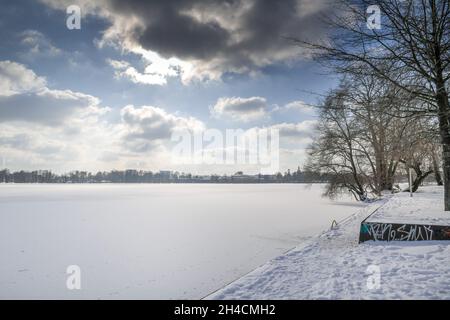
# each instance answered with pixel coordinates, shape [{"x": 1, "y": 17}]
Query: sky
[{"x": 114, "y": 93}]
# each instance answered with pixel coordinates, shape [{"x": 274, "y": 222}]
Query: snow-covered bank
[
  {"x": 426, "y": 207},
  {"x": 335, "y": 266}
]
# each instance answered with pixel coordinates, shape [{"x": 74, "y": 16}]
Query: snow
[
  {"x": 425, "y": 207},
  {"x": 334, "y": 266},
  {"x": 150, "y": 241}
]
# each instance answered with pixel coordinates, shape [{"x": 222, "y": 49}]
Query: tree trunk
[
  {"x": 443, "y": 113},
  {"x": 391, "y": 174},
  {"x": 446, "y": 169},
  {"x": 437, "y": 172},
  {"x": 442, "y": 101},
  {"x": 419, "y": 179}
]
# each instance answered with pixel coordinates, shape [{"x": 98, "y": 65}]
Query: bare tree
[
  {"x": 337, "y": 151},
  {"x": 418, "y": 148},
  {"x": 372, "y": 101},
  {"x": 419, "y": 151},
  {"x": 360, "y": 146},
  {"x": 413, "y": 43}
]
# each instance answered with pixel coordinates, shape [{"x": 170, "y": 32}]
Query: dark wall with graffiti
[{"x": 402, "y": 232}]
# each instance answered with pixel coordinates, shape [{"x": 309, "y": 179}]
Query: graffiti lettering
[{"x": 402, "y": 232}]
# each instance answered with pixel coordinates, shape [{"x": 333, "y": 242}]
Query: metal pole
[{"x": 410, "y": 182}]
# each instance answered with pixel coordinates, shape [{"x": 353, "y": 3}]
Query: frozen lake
[{"x": 150, "y": 241}]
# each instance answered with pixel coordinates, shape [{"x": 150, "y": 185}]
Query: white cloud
[
  {"x": 240, "y": 109},
  {"x": 297, "y": 132},
  {"x": 144, "y": 78},
  {"x": 43, "y": 128},
  {"x": 15, "y": 78},
  {"x": 38, "y": 44},
  {"x": 24, "y": 96},
  {"x": 118, "y": 64},
  {"x": 158, "y": 65},
  {"x": 47, "y": 128},
  {"x": 147, "y": 127},
  {"x": 300, "y": 106},
  {"x": 156, "y": 72}
]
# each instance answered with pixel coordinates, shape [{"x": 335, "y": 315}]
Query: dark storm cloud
[
  {"x": 172, "y": 33},
  {"x": 268, "y": 21},
  {"x": 241, "y": 33},
  {"x": 216, "y": 37},
  {"x": 199, "y": 41}
]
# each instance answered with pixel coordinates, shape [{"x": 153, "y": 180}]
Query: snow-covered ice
[
  {"x": 335, "y": 266},
  {"x": 150, "y": 241}
]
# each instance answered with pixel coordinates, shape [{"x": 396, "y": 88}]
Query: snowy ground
[
  {"x": 150, "y": 241},
  {"x": 335, "y": 266},
  {"x": 425, "y": 207}
]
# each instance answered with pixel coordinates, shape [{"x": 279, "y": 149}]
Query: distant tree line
[{"x": 141, "y": 176}]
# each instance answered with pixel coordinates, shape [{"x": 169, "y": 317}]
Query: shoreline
[
  {"x": 380, "y": 203},
  {"x": 334, "y": 265}
]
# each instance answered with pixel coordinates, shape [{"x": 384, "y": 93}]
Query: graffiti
[
  {"x": 377, "y": 231},
  {"x": 443, "y": 234}
]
